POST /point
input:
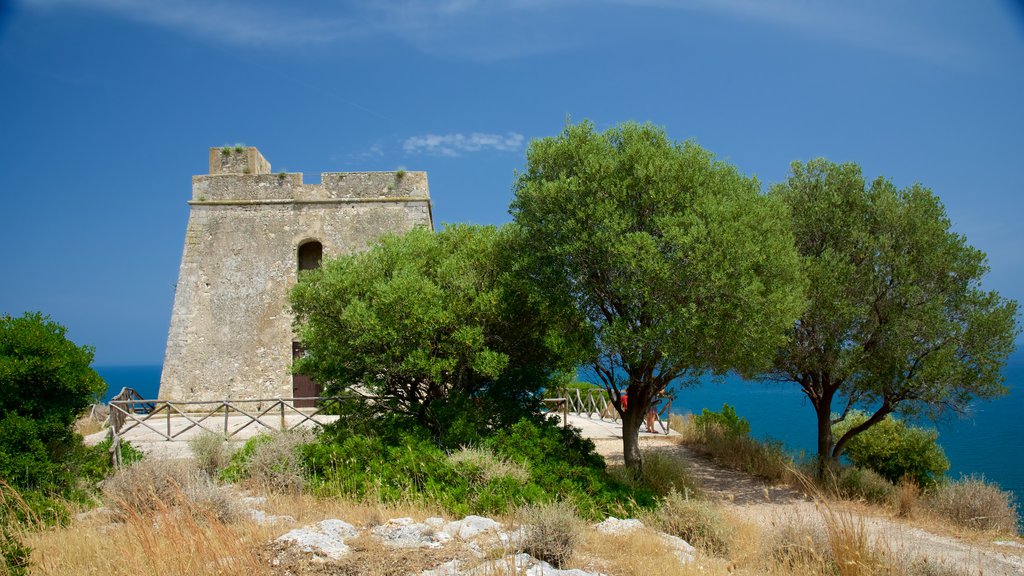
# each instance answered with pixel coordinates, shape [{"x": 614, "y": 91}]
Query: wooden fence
[
  {"x": 171, "y": 419},
  {"x": 592, "y": 402}
]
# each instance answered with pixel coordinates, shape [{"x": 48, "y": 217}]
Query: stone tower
[{"x": 249, "y": 232}]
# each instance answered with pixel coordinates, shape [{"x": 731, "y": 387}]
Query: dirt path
[{"x": 754, "y": 500}]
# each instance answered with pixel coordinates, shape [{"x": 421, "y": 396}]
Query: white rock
[
  {"x": 405, "y": 533},
  {"x": 525, "y": 564},
  {"x": 681, "y": 547},
  {"x": 338, "y": 528},
  {"x": 314, "y": 541},
  {"x": 513, "y": 539},
  {"x": 435, "y": 522},
  {"x": 470, "y": 527},
  {"x": 613, "y": 525}
]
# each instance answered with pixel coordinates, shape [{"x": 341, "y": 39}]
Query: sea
[{"x": 988, "y": 440}]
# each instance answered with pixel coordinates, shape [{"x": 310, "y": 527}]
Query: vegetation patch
[
  {"x": 974, "y": 503},
  {"x": 895, "y": 449},
  {"x": 725, "y": 438},
  {"x": 553, "y": 532},
  {"x": 530, "y": 463}
]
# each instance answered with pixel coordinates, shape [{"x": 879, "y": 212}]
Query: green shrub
[
  {"x": 863, "y": 483},
  {"x": 552, "y": 532},
  {"x": 727, "y": 421},
  {"x": 45, "y": 382},
  {"x": 696, "y": 521},
  {"x": 895, "y": 449},
  {"x": 15, "y": 517},
  {"x": 975, "y": 503},
  {"x": 558, "y": 465},
  {"x": 94, "y": 463}
]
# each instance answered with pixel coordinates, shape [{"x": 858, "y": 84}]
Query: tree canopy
[
  {"x": 674, "y": 260},
  {"x": 45, "y": 383},
  {"x": 897, "y": 320},
  {"x": 441, "y": 325}
]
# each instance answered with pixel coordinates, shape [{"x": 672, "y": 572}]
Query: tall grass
[
  {"x": 765, "y": 459},
  {"x": 974, "y": 503}
]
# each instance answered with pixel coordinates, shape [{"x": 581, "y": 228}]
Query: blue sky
[{"x": 108, "y": 108}]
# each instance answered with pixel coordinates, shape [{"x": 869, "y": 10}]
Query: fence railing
[
  {"x": 171, "y": 420},
  {"x": 591, "y": 402}
]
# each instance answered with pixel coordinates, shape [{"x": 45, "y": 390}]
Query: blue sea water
[{"x": 987, "y": 441}]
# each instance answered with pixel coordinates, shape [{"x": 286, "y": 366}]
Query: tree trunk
[
  {"x": 631, "y": 421},
  {"x": 823, "y": 411}
]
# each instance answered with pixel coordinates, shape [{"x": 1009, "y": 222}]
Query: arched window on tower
[{"x": 310, "y": 255}]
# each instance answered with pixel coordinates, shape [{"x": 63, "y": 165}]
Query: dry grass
[
  {"x": 762, "y": 459},
  {"x": 699, "y": 522},
  {"x": 151, "y": 484},
  {"x": 163, "y": 540},
  {"x": 553, "y": 531},
  {"x": 976, "y": 504},
  {"x": 663, "y": 473},
  {"x": 640, "y": 553},
  {"x": 276, "y": 465},
  {"x": 908, "y": 495},
  {"x": 211, "y": 452}
]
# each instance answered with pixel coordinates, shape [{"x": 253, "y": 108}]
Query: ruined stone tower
[{"x": 249, "y": 233}]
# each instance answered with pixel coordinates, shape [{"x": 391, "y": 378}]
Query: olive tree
[
  {"x": 439, "y": 325},
  {"x": 897, "y": 321},
  {"x": 673, "y": 259}
]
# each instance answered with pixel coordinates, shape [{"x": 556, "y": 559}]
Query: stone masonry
[{"x": 231, "y": 328}]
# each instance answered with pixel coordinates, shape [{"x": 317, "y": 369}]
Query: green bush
[
  {"x": 94, "y": 463},
  {"x": 727, "y": 421},
  {"x": 895, "y": 449},
  {"x": 558, "y": 465},
  {"x": 45, "y": 383},
  {"x": 863, "y": 483}
]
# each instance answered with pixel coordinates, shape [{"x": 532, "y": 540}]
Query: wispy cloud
[
  {"x": 486, "y": 30},
  {"x": 223, "y": 21},
  {"x": 457, "y": 144}
]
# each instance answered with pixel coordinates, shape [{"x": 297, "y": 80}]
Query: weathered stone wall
[{"x": 231, "y": 327}]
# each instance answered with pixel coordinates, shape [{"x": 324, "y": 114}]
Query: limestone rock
[
  {"x": 613, "y": 525},
  {"x": 405, "y": 533},
  {"x": 470, "y": 527},
  {"x": 324, "y": 539}
]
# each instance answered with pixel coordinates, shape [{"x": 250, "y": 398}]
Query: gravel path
[{"x": 754, "y": 500}]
